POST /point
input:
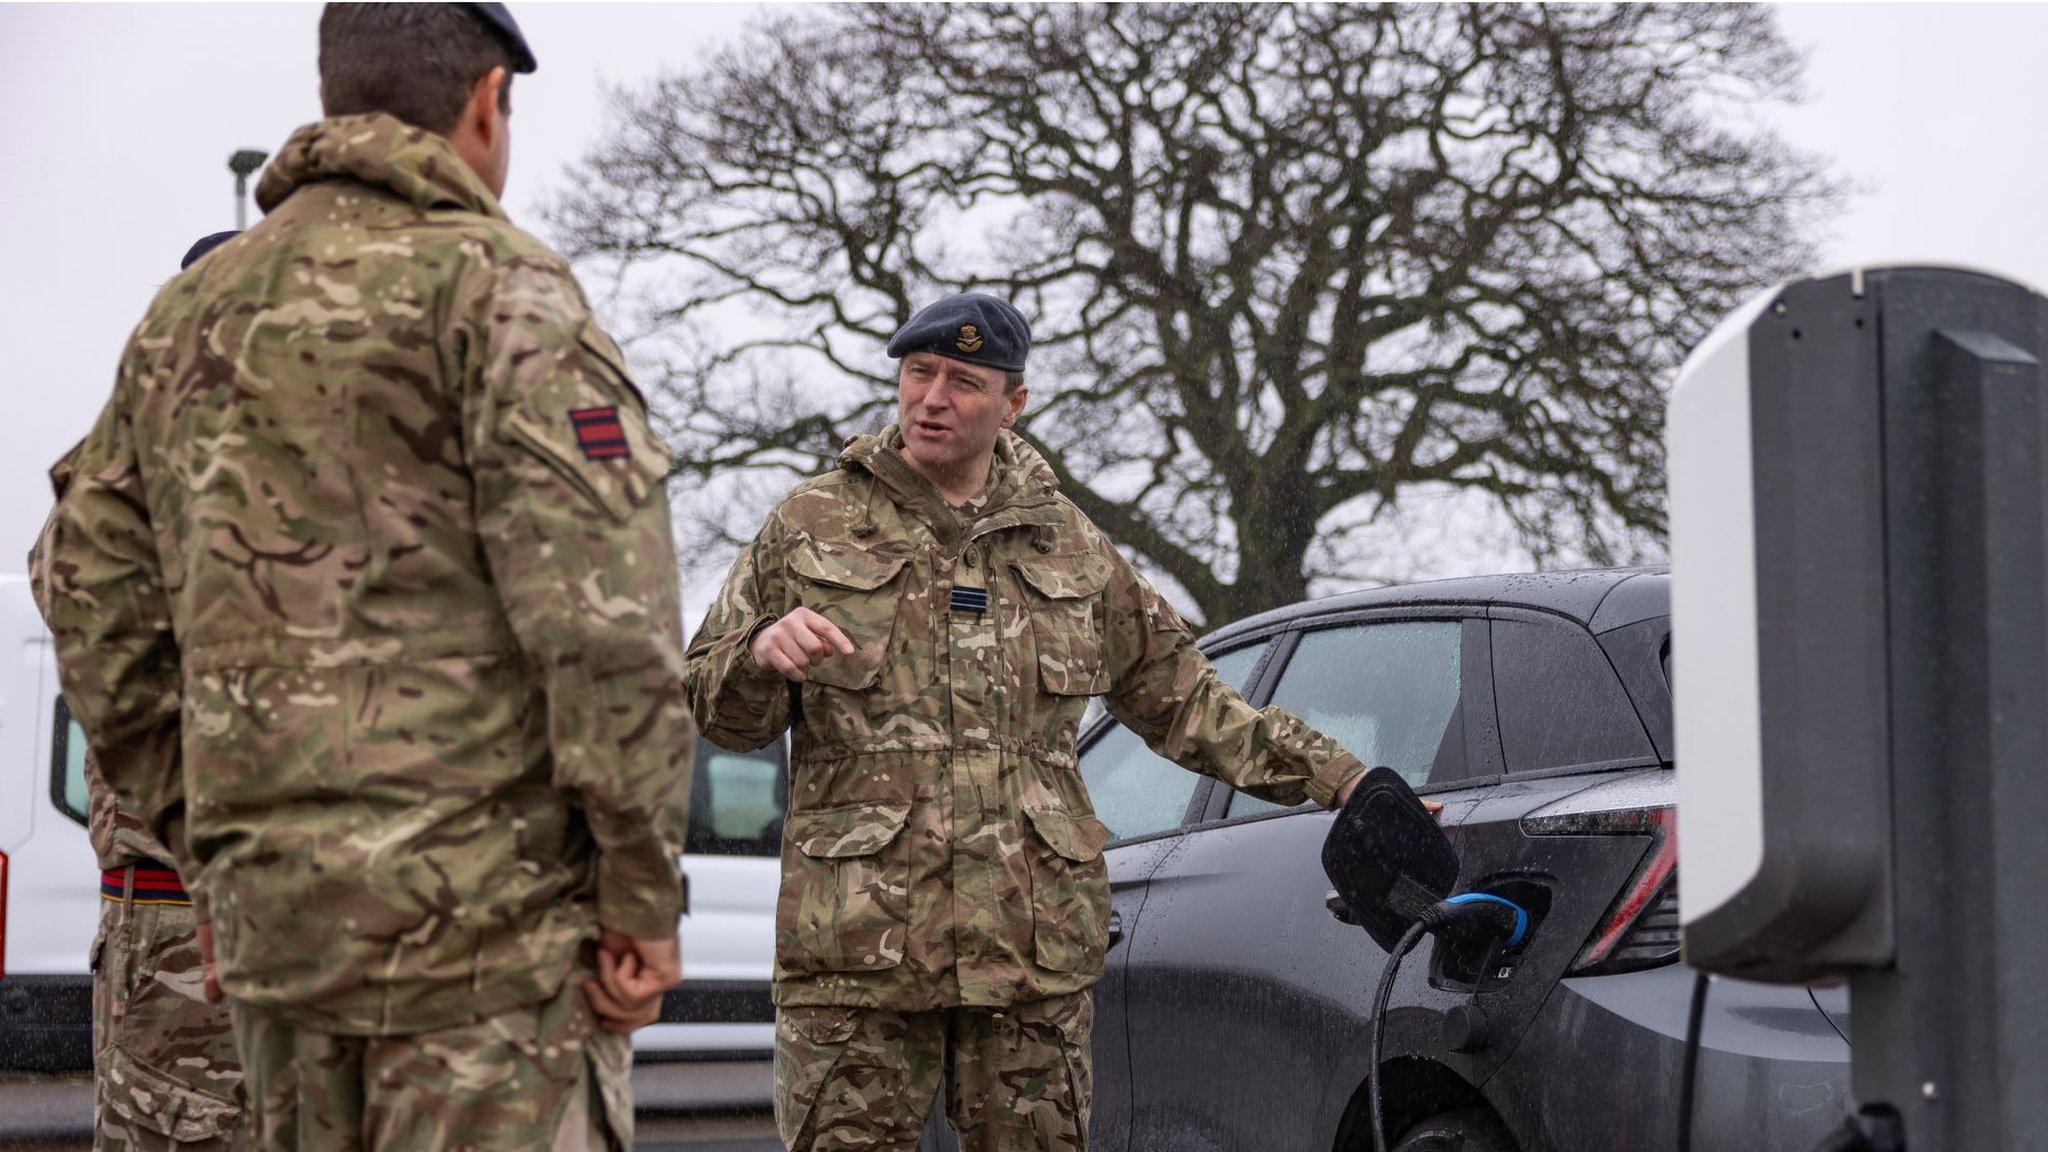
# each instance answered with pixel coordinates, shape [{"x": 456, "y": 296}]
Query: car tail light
[
  {"x": 1640, "y": 929},
  {"x": 3, "y": 915}
]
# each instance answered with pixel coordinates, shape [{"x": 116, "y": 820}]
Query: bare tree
[{"x": 1286, "y": 266}]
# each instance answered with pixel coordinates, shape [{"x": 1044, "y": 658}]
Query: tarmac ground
[{"x": 702, "y": 1106}]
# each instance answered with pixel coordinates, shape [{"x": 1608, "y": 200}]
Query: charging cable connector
[{"x": 1468, "y": 919}]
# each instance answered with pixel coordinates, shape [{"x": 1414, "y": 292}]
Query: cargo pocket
[
  {"x": 610, "y": 1067},
  {"x": 809, "y": 1043},
  {"x": 1069, "y": 890},
  {"x": 150, "y": 1098},
  {"x": 845, "y": 899},
  {"x": 105, "y": 987},
  {"x": 850, "y": 586},
  {"x": 1066, "y": 621},
  {"x": 595, "y": 436},
  {"x": 1061, "y": 1031}
]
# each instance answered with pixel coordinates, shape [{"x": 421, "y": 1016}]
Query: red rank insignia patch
[{"x": 599, "y": 433}]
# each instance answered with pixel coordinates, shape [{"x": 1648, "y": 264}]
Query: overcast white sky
[{"x": 116, "y": 122}]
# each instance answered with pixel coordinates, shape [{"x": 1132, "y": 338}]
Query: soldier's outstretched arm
[
  {"x": 101, "y": 587},
  {"x": 1165, "y": 690},
  {"x": 574, "y": 521},
  {"x": 739, "y": 702}
]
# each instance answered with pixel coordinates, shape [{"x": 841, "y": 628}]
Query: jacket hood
[
  {"x": 1020, "y": 472},
  {"x": 381, "y": 150}
]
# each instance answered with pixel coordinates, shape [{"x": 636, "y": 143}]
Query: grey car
[{"x": 1234, "y": 1011}]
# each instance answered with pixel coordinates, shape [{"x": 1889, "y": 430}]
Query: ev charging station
[{"x": 1859, "y": 540}]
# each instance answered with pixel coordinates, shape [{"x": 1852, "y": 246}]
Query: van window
[
  {"x": 67, "y": 764},
  {"x": 1137, "y": 792},
  {"x": 737, "y": 801},
  {"x": 736, "y": 798}
]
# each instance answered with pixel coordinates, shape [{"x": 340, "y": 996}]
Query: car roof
[{"x": 1602, "y": 599}]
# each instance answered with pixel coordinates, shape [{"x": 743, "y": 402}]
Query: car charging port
[
  {"x": 1477, "y": 956},
  {"x": 1394, "y": 871}
]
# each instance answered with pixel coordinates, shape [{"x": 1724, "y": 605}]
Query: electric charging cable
[
  {"x": 1872, "y": 1128},
  {"x": 1689, "y": 1069},
  {"x": 1470, "y": 918}
]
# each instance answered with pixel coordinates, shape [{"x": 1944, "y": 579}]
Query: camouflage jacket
[
  {"x": 119, "y": 837},
  {"x": 365, "y": 594},
  {"x": 941, "y": 848}
]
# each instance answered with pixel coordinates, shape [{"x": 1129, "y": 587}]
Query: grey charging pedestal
[{"x": 1859, "y": 502}]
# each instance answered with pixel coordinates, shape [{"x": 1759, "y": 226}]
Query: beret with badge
[{"x": 972, "y": 327}]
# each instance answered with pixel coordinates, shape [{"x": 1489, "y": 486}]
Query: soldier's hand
[
  {"x": 210, "y": 986},
  {"x": 1344, "y": 797},
  {"x": 631, "y": 976},
  {"x": 796, "y": 641}
]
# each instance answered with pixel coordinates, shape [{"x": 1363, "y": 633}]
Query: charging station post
[{"x": 1859, "y": 511}]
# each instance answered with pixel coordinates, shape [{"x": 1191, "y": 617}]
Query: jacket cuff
[
  {"x": 640, "y": 906},
  {"x": 1331, "y": 778},
  {"x": 746, "y": 664}
]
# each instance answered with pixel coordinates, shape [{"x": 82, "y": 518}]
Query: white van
[{"x": 50, "y": 881}]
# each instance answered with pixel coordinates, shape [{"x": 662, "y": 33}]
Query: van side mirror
[{"x": 1388, "y": 857}]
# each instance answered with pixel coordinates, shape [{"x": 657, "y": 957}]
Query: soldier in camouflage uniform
[
  {"x": 365, "y": 594},
  {"x": 930, "y": 619},
  {"x": 165, "y": 1073}
]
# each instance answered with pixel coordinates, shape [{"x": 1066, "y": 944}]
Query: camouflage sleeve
[
  {"x": 574, "y": 522},
  {"x": 102, "y": 594},
  {"x": 739, "y": 704},
  {"x": 1165, "y": 690},
  {"x": 39, "y": 552}
]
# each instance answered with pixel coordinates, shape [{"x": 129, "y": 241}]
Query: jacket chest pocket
[
  {"x": 1064, "y": 599},
  {"x": 858, "y": 591},
  {"x": 845, "y": 900}
]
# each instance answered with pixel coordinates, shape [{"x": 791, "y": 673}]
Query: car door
[
  {"x": 1244, "y": 992},
  {"x": 1146, "y": 802}
]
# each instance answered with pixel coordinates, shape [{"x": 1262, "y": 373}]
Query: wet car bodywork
[{"x": 1235, "y": 1007}]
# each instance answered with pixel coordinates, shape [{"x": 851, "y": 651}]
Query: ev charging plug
[{"x": 1477, "y": 919}]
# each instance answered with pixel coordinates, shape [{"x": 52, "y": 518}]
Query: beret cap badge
[{"x": 972, "y": 327}]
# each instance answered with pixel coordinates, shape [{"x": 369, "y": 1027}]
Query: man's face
[{"x": 951, "y": 412}]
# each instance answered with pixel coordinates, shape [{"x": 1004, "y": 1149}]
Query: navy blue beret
[
  {"x": 205, "y": 244},
  {"x": 973, "y": 327},
  {"x": 498, "y": 19}
]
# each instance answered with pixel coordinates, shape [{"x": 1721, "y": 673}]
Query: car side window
[
  {"x": 1137, "y": 792},
  {"x": 737, "y": 801},
  {"x": 1387, "y": 692},
  {"x": 1559, "y": 700},
  {"x": 67, "y": 764}
]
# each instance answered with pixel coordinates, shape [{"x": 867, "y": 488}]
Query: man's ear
[
  {"x": 1017, "y": 397},
  {"x": 485, "y": 109}
]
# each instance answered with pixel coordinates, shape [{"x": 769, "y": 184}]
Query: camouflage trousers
[
  {"x": 542, "y": 1077},
  {"x": 165, "y": 1074},
  {"x": 1016, "y": 1078}
]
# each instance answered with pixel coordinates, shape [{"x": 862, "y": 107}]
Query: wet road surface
[{"x": 681, "y": 1107}]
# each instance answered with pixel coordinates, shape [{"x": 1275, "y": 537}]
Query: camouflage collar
[
  {"x": 380, "y": 150},
  {"x": 1019, "y": 470},
  {"x": 1021, "y": 490}
]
